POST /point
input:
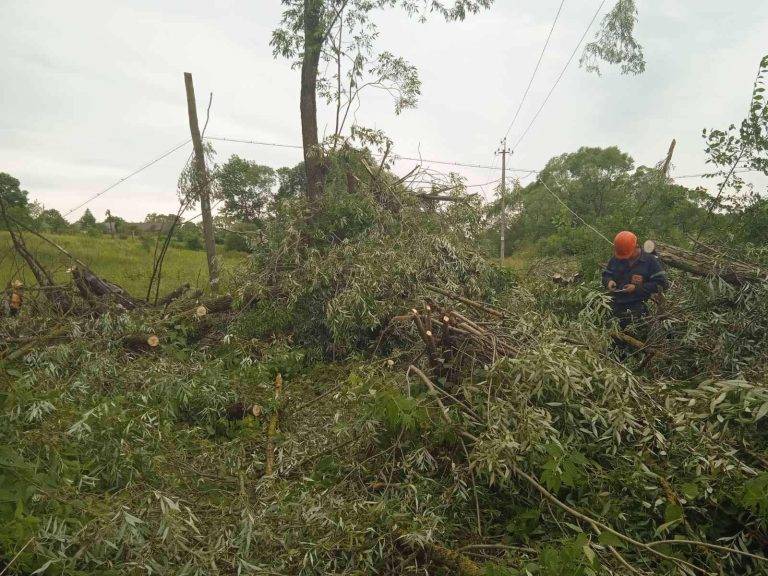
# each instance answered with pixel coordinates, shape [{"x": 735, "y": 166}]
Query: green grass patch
[
  {"x": 521, "y": 258},
  {"x": 127, "y": 262}
]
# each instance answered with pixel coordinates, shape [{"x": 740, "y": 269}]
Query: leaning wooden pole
[{"x": 203, "y": 183}]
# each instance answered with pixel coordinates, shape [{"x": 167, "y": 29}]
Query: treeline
[
  {"x": 576, "y": 198},
  {"x": 245, "y": 192},
  {"x": 579, "y": 196}
]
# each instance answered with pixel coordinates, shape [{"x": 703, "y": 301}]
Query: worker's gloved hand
[
  {"x": 611, "y": 285},
  {"x": 629, "y": 288}
]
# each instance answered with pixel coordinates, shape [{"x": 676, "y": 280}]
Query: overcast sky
[{"x": 92, "y": 90}]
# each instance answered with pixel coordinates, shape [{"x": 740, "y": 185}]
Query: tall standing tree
[
  {"x": 307, "y": 32},
  {"x": 87, "y": 220},
  {"x": 51, "y": 220},
  {"x": 311, "y": 31},
  {"x": 245, "y": 187},
  {"x": 11, "y": 192},
  {"x": 14, "y": 199}
]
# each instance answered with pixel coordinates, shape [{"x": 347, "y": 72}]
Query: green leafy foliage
[
  {"x": 266, "y": 319},
  {"x": 615, "y": 43},
  {"x": 573, "y": 558},
  {"x": 368, "y": 254},
  {"x": 245, "y": 187},
  {"x": 11, "y": 193},
  {"x": 14, "y": 200},
  {"x": 87, "y": 221},
  {"x": 399, "y": 413},
  {"x": 19, "y": 483},
  {"x": 52, "y": 221},
  {"x": 524, "y": 523},
  {"x": 755, "y": 495},
  {"x": 561, "y": 468},
  {"x": 115, "y": 462},
  {"x": 601, "y": 188}
]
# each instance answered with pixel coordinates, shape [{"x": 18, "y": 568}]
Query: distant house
[
  {"x": 151, "y": 227},
  {"x": 141, "y": 228}
]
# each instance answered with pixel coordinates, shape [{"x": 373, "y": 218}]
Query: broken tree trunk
[
  {"x": 56, "y": 295},
  {"x": 202, "y": 180},
  {"x": 20, "y": 352},
  {"x": 239, "y": 411},
  {"x": 93, "y": 288},
  {"x": 175, "y": 295},
  {"x": 702, "y": 263},
  {"x": 212, "y": 306}
]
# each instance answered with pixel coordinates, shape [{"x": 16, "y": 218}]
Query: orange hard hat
[{"x": 624, "y": 245}]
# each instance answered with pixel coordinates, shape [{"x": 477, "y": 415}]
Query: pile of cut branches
[
  {"x": 660, "y": 472},
  {"x": 378, "y": 398}
]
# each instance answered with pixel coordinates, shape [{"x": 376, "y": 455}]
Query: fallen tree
[
  {"x": 96, "y": 290},
  {"x": 708, "y": 262},
  {"x": 56, "y": 295},
  {"x": 436, "y": 416}
]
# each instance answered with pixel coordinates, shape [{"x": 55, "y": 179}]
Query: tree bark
[
  {"x": 700, "y": 263},
  {"x": 56, "y": 295},
  {"x": 203, "y": 183},
  {"x": 313, "y": 41},
  {"x": 95, "y": 289},
  {"x": 175, "y": 295}
]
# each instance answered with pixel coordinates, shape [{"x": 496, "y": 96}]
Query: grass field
[
  {"x": 126, "y": 262},
  {"x": 521, "y": 258}
]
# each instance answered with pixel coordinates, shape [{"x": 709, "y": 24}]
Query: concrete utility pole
[
  {"x": 503, "y": 208},
  {"x": 203, "y": 183}
]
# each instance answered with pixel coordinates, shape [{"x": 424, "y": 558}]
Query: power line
[
  {"x": 393, "y": 156},
  {"x": 480, "y": 184},
  {"x": 595, "y": 230},
  {"x": 527, "y": 171},
  {"x": 446, "y": 162},
  {"x": 536, "y": 69},
  {"x": 711, "y": 174},
  {"x": 257, "y": 142},
  {"x": 196, "y": 216},
  {"x": 115, "y": 184},
  {"x": 560, "y": 76}
]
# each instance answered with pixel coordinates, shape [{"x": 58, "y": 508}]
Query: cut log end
[{"x": 140, "y": 342}]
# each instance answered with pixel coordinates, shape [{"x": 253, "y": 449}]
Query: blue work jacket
[{"x": 646, "y": 266}]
